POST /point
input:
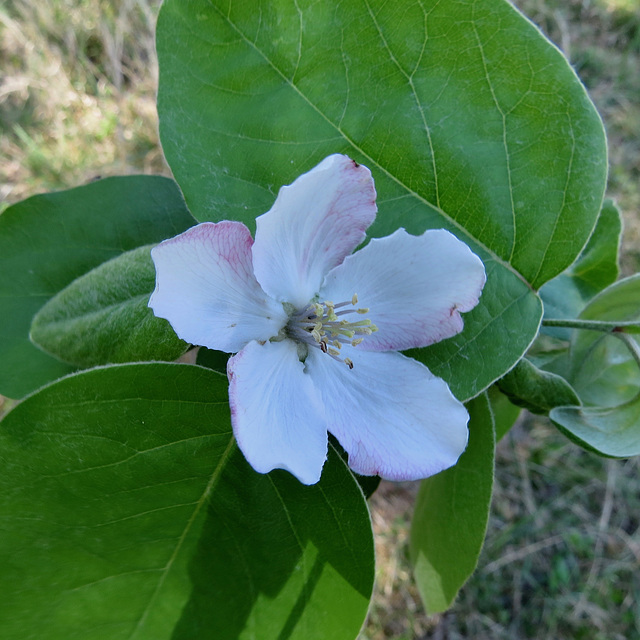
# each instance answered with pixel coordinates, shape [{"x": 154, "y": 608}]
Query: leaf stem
[
  {"x": 621, "y": 327},
  {"x": 631, "y": 344}
]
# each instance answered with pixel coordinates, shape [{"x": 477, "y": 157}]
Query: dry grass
[
  {"x": 560, "y": 560},
  {"x": 77, "y": 94}
]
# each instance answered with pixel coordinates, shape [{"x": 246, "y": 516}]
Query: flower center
[{"x": 326, "y": 326}]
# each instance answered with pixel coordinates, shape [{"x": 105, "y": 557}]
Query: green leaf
[
  {"x": 451, "y": 515},
  {"x": 536, "y": 390},
  {"x": 285, "y": 560},
  {"x": 103, "y": 317},
  {"x": 368, "y": 484},
  {"x": 602, "y": 370},
  {"x": 128, "y": 512},
  {"x": 505, "y": 413},
  {"x": 212, "y": 359},
  {"x": 492, "y": 335},
  {"x": 596, "y": 268},
  {"x": 613, "y": 431},
  {"x": 467, "y": 117},
  {"x": 47, "y": 241}
]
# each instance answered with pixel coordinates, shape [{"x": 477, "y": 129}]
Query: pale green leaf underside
[
  {"x": 613, "y": 432},
  {"x": 605, "y": 374},
  {"x": 536, "y": 390},
  {"x": 121, "y": 484},
  {"x": 466, "y": 116},
  {"x": 602, "y": 369},
  {"x": 103, "y": 317}
]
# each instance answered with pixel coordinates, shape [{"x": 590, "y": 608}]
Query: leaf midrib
[
  {"x": 361, "y": 151},
  {"x": 95, "y": 313},
  {"x": 213, "y": 481}
]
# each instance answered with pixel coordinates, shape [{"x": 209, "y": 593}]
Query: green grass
[{"x": 77, "y": 100}]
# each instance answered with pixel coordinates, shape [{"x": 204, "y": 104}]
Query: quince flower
[{"x": 316, "y": 328}]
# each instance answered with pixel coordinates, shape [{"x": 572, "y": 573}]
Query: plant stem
[{"x": 594, "y": 325}]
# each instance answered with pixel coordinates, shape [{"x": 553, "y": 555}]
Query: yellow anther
[{"x": 320, "y": 325}]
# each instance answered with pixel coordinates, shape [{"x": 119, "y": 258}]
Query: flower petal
[
  {"x": 206, "y": 289},
  {"x": 277, "y": 416},
  {"x": 390, "y": 413},
  {"x": 314, "y": 223},
  {"x": 414, "y": 287}
]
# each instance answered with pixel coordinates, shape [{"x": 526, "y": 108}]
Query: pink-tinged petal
[
  {"x": 414, "y": 287},
  {"x": 390, "y": 413},
  {"x": 206, "y": 289},
  {"x": 314, "y": 223},
  {"x": 276, "y": 413}
]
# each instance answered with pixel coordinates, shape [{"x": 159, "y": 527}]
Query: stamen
[{"x": 320, "y": 325}]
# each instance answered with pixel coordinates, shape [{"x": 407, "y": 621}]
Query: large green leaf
[
  {"x": 128, "y": 512},
  {"x": 468, "y": 118},
  {"x": 451, "y": 515},
  {"x": 103, "y": 317},
  {"x": 47, "y": 241}
]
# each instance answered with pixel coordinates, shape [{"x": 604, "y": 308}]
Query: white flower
[{"x": 316, "y": 328}]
